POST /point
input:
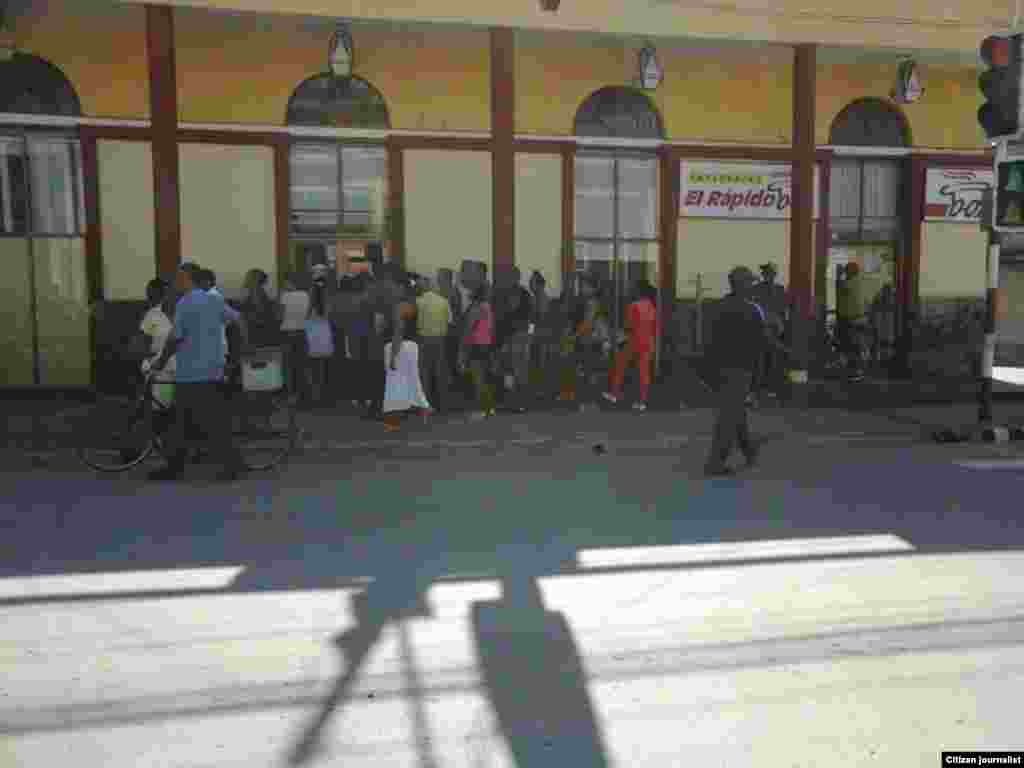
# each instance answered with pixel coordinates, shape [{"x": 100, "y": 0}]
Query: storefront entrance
[{"x": 617, "y": 223}]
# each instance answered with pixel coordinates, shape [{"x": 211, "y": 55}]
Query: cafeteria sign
[
  {"x": 739, "y": 190},
  {"x": 954, "y": 194}
]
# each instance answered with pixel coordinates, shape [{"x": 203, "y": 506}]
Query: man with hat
[
  {"x": 738, "y": 342},
  {"x": 774, "y": 300}
]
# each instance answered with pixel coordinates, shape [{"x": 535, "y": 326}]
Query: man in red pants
[{"x": 642, "y": 321}]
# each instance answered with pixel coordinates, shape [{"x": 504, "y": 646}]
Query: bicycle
[{"x": 120, "y": 432}]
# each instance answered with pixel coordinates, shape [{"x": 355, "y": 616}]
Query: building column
[
  {"x": 503, "y": 170},
  {"x": 163, "y": 111},
  {"x": 801, "y": 233}
]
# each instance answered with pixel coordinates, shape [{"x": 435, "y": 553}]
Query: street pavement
[{"x": 503, "y": 594}]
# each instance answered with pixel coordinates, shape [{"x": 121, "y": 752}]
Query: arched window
[
  {"x": 616, "y": 220},
  {"x": 337, "y": 102},
  {"x": 618, "y": 112},
  {"x": 33, "y": 86},
  {"x": 870, "y": 123},
  {"x": 42, "y": 205}
]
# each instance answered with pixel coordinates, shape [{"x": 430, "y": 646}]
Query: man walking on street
[
  {"x": 737, "y": 345},
  {"x": 433, "y": 317},
  {"x": 200, "y": 396},
  {"x": 774, "y": 300}
]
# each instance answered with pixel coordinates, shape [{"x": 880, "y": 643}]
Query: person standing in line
[
  {"x": 201, "y": 399},
  {"x": 261, "y": 313},
  {"x": 591, "y": 335},
  {"x": 447, "y": 288},
  {"x": 642, "y": 323},
  {"x": 317, "y": 359},
  {"x": 158, "y": 325},
  {"x": 737, "y": 345},
  {"x": 403, "y": 388},
  {"x": 477, "y": 349},
  {"x": 774, "y": 300},
  {"x": 294, "y": 310},
  {"x": 513, "y": 339},
  {"x": 433, "y": 319}
]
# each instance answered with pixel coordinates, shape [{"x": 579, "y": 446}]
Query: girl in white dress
[{"x": 404, "y": 390}]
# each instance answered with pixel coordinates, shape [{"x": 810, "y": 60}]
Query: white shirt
[
  {"x": 295, "y": 306},
  {"x": 215, "y": 291},
  {"x": 158, "y": 326}
]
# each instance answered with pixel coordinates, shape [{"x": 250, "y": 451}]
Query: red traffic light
[{"x": 995, "y": 51}]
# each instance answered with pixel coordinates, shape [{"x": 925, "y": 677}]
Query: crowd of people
[{"x": 396, "y": 343}]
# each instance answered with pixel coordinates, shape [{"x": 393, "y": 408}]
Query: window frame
[
  {"x": 338, "y": 231},
  {"x": 75, "y": 188}
]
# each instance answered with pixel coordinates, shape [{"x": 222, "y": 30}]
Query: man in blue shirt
[{"x": 200, "y": 401}]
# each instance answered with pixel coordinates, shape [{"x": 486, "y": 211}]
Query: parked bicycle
[{"x": 119, "y": 433}]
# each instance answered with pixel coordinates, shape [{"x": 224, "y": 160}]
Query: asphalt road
[{"x": 850, "y": 602}]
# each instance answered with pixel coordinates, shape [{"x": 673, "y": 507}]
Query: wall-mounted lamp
[
  {"x": 908, "y": 88},
  {"x": 340, "y": 52},
  {"x": 651, "y": 73},
  {"x": 549, "y": 5}
]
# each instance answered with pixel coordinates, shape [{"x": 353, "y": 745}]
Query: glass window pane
[
  {"x": 13, "y": 187},
  {"x": 882, "y": 184},
  {"x": 364, "y": 175},
  {"x": 876, "y": 229},
  {"x": 844, "y": 189},
  {"x": 595, "y": 196},
  {"x": 596, "y": 257},
  {"x": 638, "y": 197},
  {"x": 53, "y": 186},
  {"x": 314, "y": 178}
]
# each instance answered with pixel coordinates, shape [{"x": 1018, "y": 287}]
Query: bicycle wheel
[
  {"x": 265, "y": 429},
  {"x": 114, "y": 436}
]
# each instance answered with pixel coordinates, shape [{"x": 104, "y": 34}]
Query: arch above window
[
  {"x": 337, "y": 102},
  {"x": 618, "y": 112},
  {"x": 30, "y": 85},
  {"x": 870, "y": 123}
]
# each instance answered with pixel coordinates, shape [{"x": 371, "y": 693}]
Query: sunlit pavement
[{"x": 846, "y": 603}]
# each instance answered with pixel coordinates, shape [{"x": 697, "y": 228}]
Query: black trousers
[
  {"x": 202, "y": 408},
  {"x": 434, "y": 370},
  {"x": 731, "y": 425}
]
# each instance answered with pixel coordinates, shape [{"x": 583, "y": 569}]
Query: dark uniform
[{"x": 736, "y": 350}]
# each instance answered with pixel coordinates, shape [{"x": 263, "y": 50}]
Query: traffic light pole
[{"x": 989, "y": 349}]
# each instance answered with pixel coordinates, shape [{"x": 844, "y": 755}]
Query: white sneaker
[
  {"x": 640, "y": 407},
  {"x": 610, "y": 397}
]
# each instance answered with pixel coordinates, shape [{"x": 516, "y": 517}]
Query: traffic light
[
  {"x": 1009, "y": 195},
  {"x": 1000, "y": 116}
]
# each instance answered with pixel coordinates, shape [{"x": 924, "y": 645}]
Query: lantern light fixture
[
  {"x": 340, "y": 52},
  {"x": 908, "y": 88},
  {"x": 651, "y": 73}
]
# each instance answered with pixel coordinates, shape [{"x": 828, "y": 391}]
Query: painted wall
[
  {"x": 742, "y": 96},
  {"x": 437, "y": 80},
  {"x": 106, "y": 65},
  {"x": 126, "y": 218},
  {"x": 954, "y": 25},
  {"x": 538, "y": 206},
  {"x": 712, "y": 247},
  {"x": 227, "y": 211},
  {"x": 448, "y": 214},
  {"x": 952, "y": 260},
  {"x": 15, "y": 317},
  {"x": 945, "y": 117}
]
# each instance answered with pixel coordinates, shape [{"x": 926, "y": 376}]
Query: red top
[{"x": 643, "y": 324}]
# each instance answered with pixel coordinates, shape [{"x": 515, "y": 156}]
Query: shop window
[
  {"x": 865, "y": 199},
  {"x": 619, "y": 112},
  {"x": 338, "y": 190},
  {"x": 870, "y": 123},
  {"x": 337, "y": 102}
]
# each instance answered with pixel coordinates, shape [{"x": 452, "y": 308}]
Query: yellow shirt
[{"x": 433, "y": 314}]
